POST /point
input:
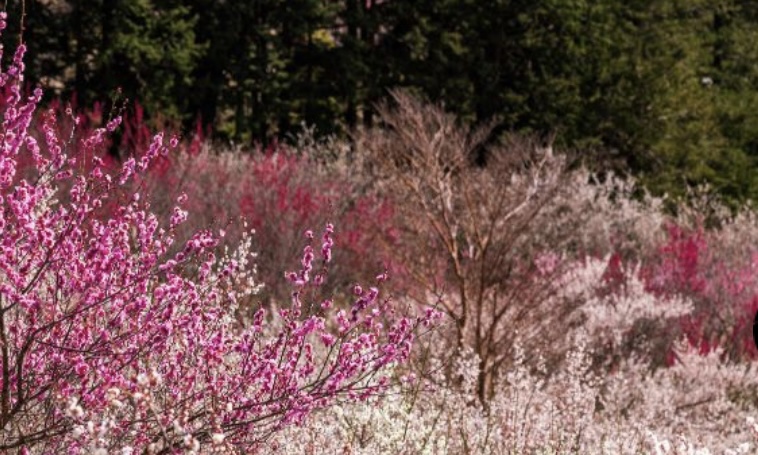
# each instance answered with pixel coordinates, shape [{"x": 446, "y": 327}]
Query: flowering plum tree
[
  {"x": 111, "y": 341},
  {"x": 474, "y": 228}
]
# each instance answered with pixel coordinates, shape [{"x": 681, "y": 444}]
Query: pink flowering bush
[
  {"x": 278, "y": 193},
  {"x": 276, "y": 189},
  {"x": 720, "y": 281},
  {"x": 117, "y": 337}
]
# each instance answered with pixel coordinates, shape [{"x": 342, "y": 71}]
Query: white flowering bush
[
  {"x": 629, "y": 412},
  {"x": 602, "y": 397}
]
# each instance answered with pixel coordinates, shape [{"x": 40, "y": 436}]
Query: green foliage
[
  {"x": 659, "y": 88},
  {"x": 145, "y": 48},
  {"x": 705, "y": 98},
  {"x": 153, "y": 51}
]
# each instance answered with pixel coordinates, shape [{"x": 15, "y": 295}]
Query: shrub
[
  {"x": 279, "y": 193},
  {"x": 697, "y": 263},
  {"x": 114, "y": 338}
]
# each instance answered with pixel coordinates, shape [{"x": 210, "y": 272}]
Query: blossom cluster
[{"x": 118, "y": 335}]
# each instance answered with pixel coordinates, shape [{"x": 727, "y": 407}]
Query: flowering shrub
[
  {"x": 698, "y": 264},
  {"x": 114, "y": 338},
  {"x": 695, "y": 406},
  {"x": 279, "y": 194}
]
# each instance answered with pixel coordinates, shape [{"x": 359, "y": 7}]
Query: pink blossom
[{"x": 147, "y": 342}]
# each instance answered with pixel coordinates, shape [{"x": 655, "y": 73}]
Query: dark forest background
[{"x": 665, "y": 89}]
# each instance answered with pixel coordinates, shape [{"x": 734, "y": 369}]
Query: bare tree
[{"x": 474, "y": 235}]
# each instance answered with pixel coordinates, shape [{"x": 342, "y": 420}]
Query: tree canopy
[{"x": 664, "y": 89}]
